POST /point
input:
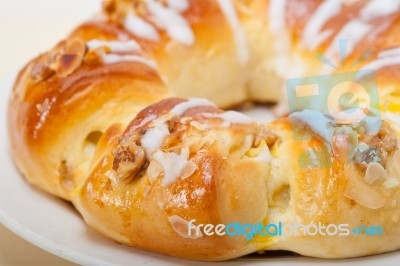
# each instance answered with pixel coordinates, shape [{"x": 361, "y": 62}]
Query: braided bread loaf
[{"x": 72, "y": 134}]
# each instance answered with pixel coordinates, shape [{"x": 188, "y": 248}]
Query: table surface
[{"x": 27, "y": 28}]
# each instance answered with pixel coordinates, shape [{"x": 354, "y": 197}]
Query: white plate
[{"x": 54, "y": 225}]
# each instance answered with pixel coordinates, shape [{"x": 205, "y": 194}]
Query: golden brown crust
[
  {"x": 141, "y": 181},
  {"x": 216, "y": 192},
  {"x": 320, "y": 195},
  {"x": 47, "y": 107}
]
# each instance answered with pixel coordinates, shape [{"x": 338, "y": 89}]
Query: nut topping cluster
[{"x": 62, "y": 61}]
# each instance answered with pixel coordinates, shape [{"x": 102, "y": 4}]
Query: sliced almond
[
  {"x": 55, "y": 54},
  {"x": 154, "y": 171},
  {"x": 188, "y": 169},
  {"x": 161, "y": 120},
  {"x": 76, "y": 46},
  {"x": 146, "y": 191},
  {"x": 72, "y": 59},
  {"x": 375, "y": 172},
  {"x": 181, "y": 227},
  {"x": 200, "y": 126},
  {"x": 391, "y": 183},
  {"x": 364, "y": 194},
  {"x": 195, "y": 142},
  {"x": 40, "y": 71},
  {"x": 244, "y": 148},
  {"x": 393, "y": 166}
]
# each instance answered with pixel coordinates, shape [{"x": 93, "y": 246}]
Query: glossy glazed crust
[
  {"x": 319, "y": 196},
  {"x": 50, "y": 120},
  {"x": 232, "y": 184},
  {"x": 220, "y": 190},
  {"x": 68, "y": 124}
]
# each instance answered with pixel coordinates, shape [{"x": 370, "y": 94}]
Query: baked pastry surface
[{"x": 141, "y": 181}]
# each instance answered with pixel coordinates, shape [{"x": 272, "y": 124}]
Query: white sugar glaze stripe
[
  {"x": 179, "y": 5},
  {"x": 327, "y": 10},
  {"x": 276, "y": 16},
  {"x": 179, "y": 109},
  {"x": 356, "y": 29},
  {"x": 172, "y": 21},
  {"x": 140, "y": 27},
  {"x": 236, "y": 117},
  {"x": 229, "y": 10},
  {"x": 379, "y": 8},
  {"x": 153, "y": 138},
  {"x": 390, "y": 52},
  {"x": 353, "y": 31},
  {"x": 231, "y": 117},
  {"x": 173, "y": 165},
  {"x": 115, "y": 46},
  {"x": 381, "y": 63},
  {"x": 113, "y": 58}
]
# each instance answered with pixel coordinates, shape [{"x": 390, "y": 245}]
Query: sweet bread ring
[{"x": 72, "y": 134}]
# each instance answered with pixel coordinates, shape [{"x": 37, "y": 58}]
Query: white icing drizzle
[
  {"x": 317, "y": 122},
  {"x": 353, "y": 31},
  {"x": 358, "y": 28},
  {"x": 349, "y": 116},
  {"x": 115, "y": 46},
  {"x": 385, "y": 58},
  {"x": 235, "y": 117},
  {"x": 379, "y": 8},
  {"x": 172, "y": 21},
  {"x": 228, "y": 9},
  {"x": 381, "y": 63},
  {"x": 179, "y": 109},
  {"x": 113, "y": 58},
  {"x": 179, "y": 5},
  {"x": 276, "y": 16},
  {"x": 372, "y": 124},
  {"x": 146, "y": 120},
  {"x": 153, "y": 139},
  {"x": 312, "y": 36},
  {"x": 320, "y": 38},
  {"x": 390, "y": 52},
  {"x": 231, "y": 117},
  {"x": 140, "y": 27},
  {"x": 172, "y": 163},
  {"x": 181, "y": 227},
  {"x": 393, "y": 117}
]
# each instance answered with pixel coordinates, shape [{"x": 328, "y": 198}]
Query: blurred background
[{"x": 27, "y": 28}]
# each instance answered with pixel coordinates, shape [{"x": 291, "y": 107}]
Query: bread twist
[{"x": 141, "y": 182}]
